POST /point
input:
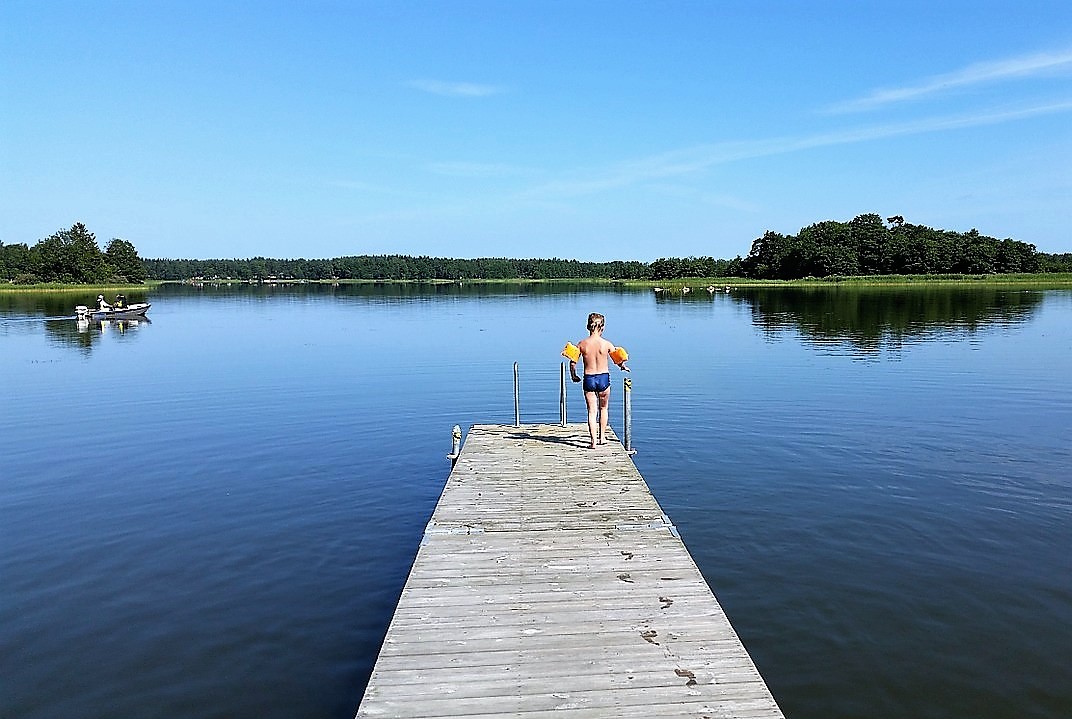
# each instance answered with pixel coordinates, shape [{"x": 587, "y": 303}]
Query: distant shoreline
[
  {"x": 679, "y": 285},
  {"x": 1035, "y": 280},
  {"x": 58, "y": 287}
]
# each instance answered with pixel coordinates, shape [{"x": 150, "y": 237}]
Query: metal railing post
[
  {"x": 627, "y": 403},
  {"x": 456, "y": 449},
  {"x": 562, "y": 393},
  {"x": 517, "y": 398}
]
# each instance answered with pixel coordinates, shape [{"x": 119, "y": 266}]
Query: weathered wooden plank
[
  {"x": 550, "y": 581},
  {"x": 575, "y": 572},
  {"x": 639, "y": 582},
  {"x": 569, "y": 609},
  {"x": 567, "y": 660},
  {"x": 608, "y": 665},
  {"x": 675, "y": 710},
  {"x": 650, "y": 702},
  {"x": 535, "y": 644}
]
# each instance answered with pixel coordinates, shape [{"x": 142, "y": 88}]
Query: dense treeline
[
  {"x": 864, "y": 246},
  {"x": 1060, "y": 262},
  {"x": 394, "y": 267},
  {"x": 71, "y": 256},
  {"x": 867, "y": 246},
  {"x": 668, "y": 268}
]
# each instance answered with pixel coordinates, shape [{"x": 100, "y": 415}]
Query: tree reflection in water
[{"x": 875, "y": 318}]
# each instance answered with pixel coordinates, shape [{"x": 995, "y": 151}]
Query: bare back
[{"x": 595, "y": 353}]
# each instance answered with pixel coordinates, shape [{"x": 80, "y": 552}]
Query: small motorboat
[{"x": 138, "y": 309}]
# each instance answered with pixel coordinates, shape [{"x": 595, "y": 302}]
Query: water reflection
[
  {"x": 54, "y": 304},
  {"x": 873, "y": 319},
  {"x": 84, "y": 333},
  {"x": 26, "y": 311},
  {"x": 868, "y": 319},
  {"x": 383, "y": 290}
]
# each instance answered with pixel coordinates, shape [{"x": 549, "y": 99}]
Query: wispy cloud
[
  {"x": 693, "y": 194},
  {"x": 479, "y": 169},
  {"x": 359, "y": 187},
  {"x": 697, "y": 159},
  {"x": 671, "y": 171},
  {"x": 976, "y": 74},
  {"x": 455, "y": 89}
]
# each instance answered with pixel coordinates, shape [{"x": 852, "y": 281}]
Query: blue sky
[{"x": 589, "y": 130}]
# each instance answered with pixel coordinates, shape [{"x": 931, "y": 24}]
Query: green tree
[
  {"x": 768, "y": 258},
  {"x": 1015, "y": 256},
  {"x": 1060, "y": 262},
  {"x": 124, "y": 260},
  {"x": 870, "y": 238},
  {"x": 14, "y": 261},
  {"x": 70, "y": 256}
]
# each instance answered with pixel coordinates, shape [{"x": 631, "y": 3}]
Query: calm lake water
[{"x": 213, "y": 514}]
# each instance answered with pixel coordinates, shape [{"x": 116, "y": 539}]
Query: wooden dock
[{"x": 550, "y": 584}]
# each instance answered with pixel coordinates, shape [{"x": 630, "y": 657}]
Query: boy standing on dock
[{"x": 596, "y": 356}]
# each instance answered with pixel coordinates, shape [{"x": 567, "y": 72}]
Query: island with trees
[{"x": 71, "y": 257}]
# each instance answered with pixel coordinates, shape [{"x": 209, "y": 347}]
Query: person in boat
[
  {"x": 102, "y": 304},
  {"x": 120, "y": 301},
  {"x": 595, "y": 354}
]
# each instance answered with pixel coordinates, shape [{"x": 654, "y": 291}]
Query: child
[{"x": 595, "y": 353}]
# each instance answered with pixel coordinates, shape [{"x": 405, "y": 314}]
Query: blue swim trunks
[{"x": 597, "y": 382}]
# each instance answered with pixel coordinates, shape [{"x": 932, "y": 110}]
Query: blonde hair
[{"x": 595, "y": 322}]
